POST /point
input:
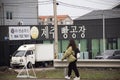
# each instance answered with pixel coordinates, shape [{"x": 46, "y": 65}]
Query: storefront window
[
  {"x": 95, "y": 47},
  {"x": 83, "y": 45}
]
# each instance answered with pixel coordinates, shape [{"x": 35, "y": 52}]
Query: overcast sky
[{"x": 75, "y": 8}]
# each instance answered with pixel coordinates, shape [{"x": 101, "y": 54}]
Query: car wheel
[{"x": 29, "y": 65}]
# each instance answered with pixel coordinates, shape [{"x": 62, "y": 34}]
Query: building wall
[
  {"x": 24, "y": 11},
  {"x": 66, "y": 21},
  {"x": 49, "y": 20},
  {"x": 95, "y": 29},
  {"x": 92, "y": 43}
]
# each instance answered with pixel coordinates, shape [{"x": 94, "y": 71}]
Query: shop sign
[{"x": 19, "y": 33}]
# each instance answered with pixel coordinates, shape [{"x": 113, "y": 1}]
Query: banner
[{"x": 19, "y": 33}]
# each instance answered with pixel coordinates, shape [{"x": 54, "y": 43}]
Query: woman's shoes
[
  {"x": 76, "y": 78},
  {"x": 67, "y": 77}
]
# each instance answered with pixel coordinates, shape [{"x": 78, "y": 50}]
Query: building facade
[
  {"x": 103, "y": 27},
  {"x": 17, "y": 12},
  {"x": 61, "y": 19},
  {"x": 87, "y": 31}
]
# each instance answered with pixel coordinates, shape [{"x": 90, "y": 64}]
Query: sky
[{"x": 75, "y": 8}]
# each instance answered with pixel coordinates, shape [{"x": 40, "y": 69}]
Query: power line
[
  {"x": 111, "y": 1},
  {"x": 41, "y": 2},
  {"x": 60, "y": 3},
  {"x": 94, "y": 15},
  {"x": 75, "y": 6},
  {"x": 26, "y": 3},
  {"x": 100, "y": 15},
  {"x": 101, "y": 2},
  {"x": 44, "y": 2},
  {"x": 50, "y": 2}
]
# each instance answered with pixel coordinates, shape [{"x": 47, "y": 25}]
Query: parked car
[{"x": 109, "y": 54}]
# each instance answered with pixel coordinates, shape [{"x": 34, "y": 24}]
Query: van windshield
[{"x": 19, "y": 53}]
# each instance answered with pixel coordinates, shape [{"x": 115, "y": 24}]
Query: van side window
[{"x": 29, "y": 52}]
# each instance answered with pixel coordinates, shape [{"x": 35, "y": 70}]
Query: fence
[{"x": 109, "y": 63}]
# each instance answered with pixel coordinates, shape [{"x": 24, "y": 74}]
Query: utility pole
[{"x": 55, "y": 30}]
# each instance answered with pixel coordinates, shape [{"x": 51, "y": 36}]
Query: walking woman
[{"x": 72, "y": 63}]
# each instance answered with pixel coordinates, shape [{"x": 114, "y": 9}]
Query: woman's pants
[{"x": 73, "y": 66}]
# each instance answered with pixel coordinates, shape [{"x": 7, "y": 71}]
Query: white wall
[{"x": 22, "y": 10}]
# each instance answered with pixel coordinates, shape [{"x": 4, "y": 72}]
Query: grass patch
[
  {"x": 91, "y": 74},
  {"x": 57, "y": 73},
  {"x": 86, "y": 74},
  {"x": 98, "y": 74},
  {"x": 7, "y": 76},
  {"x": 6, "y": 73}
]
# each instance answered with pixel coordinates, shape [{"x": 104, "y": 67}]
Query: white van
[{"x": 33, "y": 54}]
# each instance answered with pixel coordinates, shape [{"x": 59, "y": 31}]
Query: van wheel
[{"x": 29, "y": 65}]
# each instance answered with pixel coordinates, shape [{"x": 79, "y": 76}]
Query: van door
[{"x": 30, "y": 56}]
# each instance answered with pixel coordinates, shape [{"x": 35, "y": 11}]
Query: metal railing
[{"x": 110, "y": 63}]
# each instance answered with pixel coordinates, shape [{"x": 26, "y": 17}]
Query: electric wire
[
  {"x": 60, "y": 3},
  {"x": 114, "y": 15},
  {"x": 75, "y": 6},
  {"x": 104, "y": 2},
  {"x": 51, "y": 2},
  {"x": 27, "y": 2}
]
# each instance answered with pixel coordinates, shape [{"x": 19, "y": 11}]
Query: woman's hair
[{"x": 72, "y": 43}]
